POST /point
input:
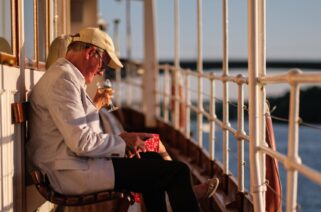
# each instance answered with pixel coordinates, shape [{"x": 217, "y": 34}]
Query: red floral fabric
[{"x": 152, "y": 144}]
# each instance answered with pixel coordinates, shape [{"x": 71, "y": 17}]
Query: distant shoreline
[
  {"x": 217, "y": 64},
  {"x": 310, "y": 104}
]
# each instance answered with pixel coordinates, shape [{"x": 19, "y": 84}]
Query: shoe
[{"x": 212, "y": 186}]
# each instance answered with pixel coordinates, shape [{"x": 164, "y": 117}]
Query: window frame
[{"x": 5, "y": 57}]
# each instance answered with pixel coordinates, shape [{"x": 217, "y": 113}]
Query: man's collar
[{"x": 77, "y": 73}]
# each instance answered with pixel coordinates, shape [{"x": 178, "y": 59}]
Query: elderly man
[{"x": 68, "y": 145}]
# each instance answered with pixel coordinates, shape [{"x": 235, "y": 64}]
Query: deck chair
[{"x": 20, "y": 116}]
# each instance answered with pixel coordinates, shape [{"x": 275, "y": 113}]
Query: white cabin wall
[
  {"x": 8, "y": 90},
  {"x": 14, "y": 196}
]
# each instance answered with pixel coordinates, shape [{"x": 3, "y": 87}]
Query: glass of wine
[{"x": 107, "y": 88}]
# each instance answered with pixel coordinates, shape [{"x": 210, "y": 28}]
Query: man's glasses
[{"x": 100, "y": 54}]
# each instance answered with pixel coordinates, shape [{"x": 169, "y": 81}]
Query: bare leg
[{"x": 162, "y": 151}]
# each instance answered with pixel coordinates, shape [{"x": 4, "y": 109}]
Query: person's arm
[{"x": 66, "y": 108}]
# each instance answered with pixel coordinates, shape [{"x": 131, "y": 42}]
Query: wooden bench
[{"x": 20, "y": 116}]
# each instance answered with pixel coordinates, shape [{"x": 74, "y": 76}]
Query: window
[
  {"x": 29, "y": 43},
  {"x": 5, "y": 27},
  {"x": 36, "y": 22},
  {"x": 42, "y": 14}
]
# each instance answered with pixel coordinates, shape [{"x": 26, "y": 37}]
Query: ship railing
[
  {"x": 170, "y": 102},
  {"x": 128, "y": 90},
  {"x": 209, "y": 114}
]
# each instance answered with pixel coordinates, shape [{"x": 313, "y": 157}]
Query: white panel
[
  {"x": 9, "y": 80},
  {"x": 14, "y": 83}
]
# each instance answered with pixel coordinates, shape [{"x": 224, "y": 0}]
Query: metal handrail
[{"x": 293, "y": 77}]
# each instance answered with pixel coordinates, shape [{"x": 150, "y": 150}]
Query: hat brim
[{"x": 114, "y": 62}]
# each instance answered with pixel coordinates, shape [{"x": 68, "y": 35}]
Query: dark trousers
[{"x": 152, "y": 176}]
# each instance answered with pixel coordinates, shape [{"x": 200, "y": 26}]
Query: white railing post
[
  {"x": 240, "y": 131},
  {"x": 177, "y": 75},
  {"x": 200, "y": 71},
  {"x": 118, "y": 90},
  {"x": 293, "y": 147},
  {"x": 150, "y": 63},
  {"x": 262, "y": 94},
  {"x": 176, "y": 33},
  {"x": 166, "y": 91},
  {"x": 129, "y": 88},
  {"x": 128, "y": 31},
  {"x": 256, "y": 182},
  {"x": 157, "y": 96},
  {"x": 212, "y": 118},
  {"x": 225, "y": 90},
  {"x": 176, "y": 99},
  {"x": 188, "y": 104}
]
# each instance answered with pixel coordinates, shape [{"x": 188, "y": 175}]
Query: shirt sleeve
[{"x": 78, "y": 126}]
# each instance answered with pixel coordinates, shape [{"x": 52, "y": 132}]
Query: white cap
[{"x": 101, "y": 39}]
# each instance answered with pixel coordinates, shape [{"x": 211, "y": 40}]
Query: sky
[{"x": 293, "y": 28}]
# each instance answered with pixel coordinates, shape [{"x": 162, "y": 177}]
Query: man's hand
[{"x": 135, "y": 142}]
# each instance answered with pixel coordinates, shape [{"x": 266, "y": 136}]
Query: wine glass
[{"x": 106, "y": 87}]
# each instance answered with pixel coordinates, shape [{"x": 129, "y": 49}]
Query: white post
[
  {"x": 166, "y": 91},
  {"x": 129, "y": 66},
  {"x": 293, "y": 148},
  {"x": 200, "y": 71},
  {"x": 225, "y": 90},
  {"x": 240, "y": 130},
  {"x": 116, "y": 36},
  {"x": 118, "y": 90},
  {"x": 128, "y": 31},
  {"x": 176, "y": 74},
  {"x": 150, "y": 63},
  {"x": 257, "y": 187},
  {"x": 177, "y": 33},
  {"x": 262, "y": 94},
  {"x": 188, "y": 103},
  {"x": 212, "y": 119},
  {"x": 118, "y": 71}
]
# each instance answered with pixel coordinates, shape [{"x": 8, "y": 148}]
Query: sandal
[{"x": 212, "y": 186}]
